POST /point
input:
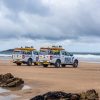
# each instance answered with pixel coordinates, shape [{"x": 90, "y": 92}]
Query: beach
[{"x": 39, "y": 80}]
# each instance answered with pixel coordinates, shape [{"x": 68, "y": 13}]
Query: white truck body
[
  {"x": 20, "y": 56},
  {"x": 64, "y": 57}
]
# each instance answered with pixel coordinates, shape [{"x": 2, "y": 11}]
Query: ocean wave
[
  {"x": 5, "y": 55},
  {"x": 87, "y": 56}
]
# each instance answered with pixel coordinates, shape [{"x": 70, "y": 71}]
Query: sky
[{"x": 74, "y": 24}]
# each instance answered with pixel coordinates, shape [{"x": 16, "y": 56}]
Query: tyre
[
  {"x": 58, "y": 64},
  {"x": 29, "y": 63},
  {"x": 18, "y": 64},
  {"x": 45, "y": 65},
  {"x": 63, "y": 65},
  {"x": 75, "y": 64}
]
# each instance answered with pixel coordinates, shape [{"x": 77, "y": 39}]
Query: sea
[
  {"x": 82, "y": 57},
  {"x": 91, "y": 58}
]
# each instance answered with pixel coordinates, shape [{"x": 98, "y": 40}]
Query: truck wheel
[
  {"x": 18, "y": 64},
  {"x": 63, "y": 65},
  {"x": 75, "y": 64},
  {"x": 45, "y": 65},
  {"x": 58, "y": 63},
  {"x": 29, "y": 63}
]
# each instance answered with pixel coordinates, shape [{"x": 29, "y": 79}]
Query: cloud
[
  {"x": 32, "y": 6},
  {"x": 54, "y": 20}
]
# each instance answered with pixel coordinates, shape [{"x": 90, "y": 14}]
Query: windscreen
[
  {"x": 35, "y": 53},
  {"x": 49, "y": 52},
  {"x": 17, "y": 52},
  {"x": 55, "y": 52},
  {"x": 23, "y": 52},
  {"x": 43, "y": 52},
  {"x": 26, "y": 52}
]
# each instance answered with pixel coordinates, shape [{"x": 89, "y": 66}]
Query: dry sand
[{"x": 41, "y": 80}]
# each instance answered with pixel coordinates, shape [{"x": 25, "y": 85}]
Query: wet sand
[{"x": 39, "y": 80}]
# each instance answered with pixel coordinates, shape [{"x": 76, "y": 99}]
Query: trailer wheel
[
  {"x": 29, "y": 63},
  {"x": 45, "y": 65}
]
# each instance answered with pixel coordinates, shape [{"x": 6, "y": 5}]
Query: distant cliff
[{"x": 9, "y": 51}]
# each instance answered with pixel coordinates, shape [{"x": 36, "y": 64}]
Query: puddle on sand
[
  {"x": 2, "y": 90},
  {"x": 22, "y": 87},
  {"x": 9, "y": 97},
  {"x": 26, "y": 87}
]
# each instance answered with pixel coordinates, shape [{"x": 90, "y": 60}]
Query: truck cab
[{"x": 25, "y": 56}]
